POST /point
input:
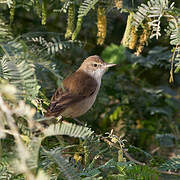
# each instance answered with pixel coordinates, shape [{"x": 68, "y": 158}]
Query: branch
[
  {"x": 131, "y": 158},
  {"x": 128, "y": 156},
  {"x": 169, "y": 173},
  {"x": 124, "y": 151}
]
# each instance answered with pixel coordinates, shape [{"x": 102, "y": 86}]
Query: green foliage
[
  {"x": 4, "y": 173},
  {"x": 78, "y": 28},
  {"x": 68, "y": 129},
  {"x": 48, "y": 43},
  {"x": 177, "y": 59},
  {"x": 140, "y": 172},
  {"x": 44, "y": 13},
  {"x": 70, "y": 21},
  {"x": 171, "y": 164},
  {"x": 174, "y": 25},
  {"x": 4, "y": 29},
  {"x": 152, "y": 14},
  {"x": 30, "y": 145},
  {"x": 154, "y": 10},
  {"x": 166, "y": 140},
  {"x": 114, "y": 54},
  {"x": 157, "y": 57},
  {"x": 16, "y": 68},
  {"x": 8, "y": 2},
  {"x": 85, "y": 7},
  {"x": 140, "y": 108},
  {"x": 12, "y": 11},
  {"x": 66, "y": 168},
  {"x": 135, "y": 100}
]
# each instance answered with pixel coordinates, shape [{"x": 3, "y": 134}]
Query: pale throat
[{"x": 96, "y": 75}]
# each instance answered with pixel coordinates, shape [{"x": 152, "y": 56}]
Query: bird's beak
[{"x": 107, "y": 65}]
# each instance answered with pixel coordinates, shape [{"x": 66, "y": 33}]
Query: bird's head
[{"x": 95, "y": 66}]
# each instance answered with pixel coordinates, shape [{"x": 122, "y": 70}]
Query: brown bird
[{"x": 79, "y": 89}]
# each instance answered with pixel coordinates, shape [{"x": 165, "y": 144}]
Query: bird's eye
[{"x": 95, "y": 65}]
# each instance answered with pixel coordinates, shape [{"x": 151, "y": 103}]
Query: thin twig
[
  {"x": 124, "y": 151},
  {"x": 155, "y": 150},
  {"x": 134, "y": 160},
  {"x": 169, "y": 173}
]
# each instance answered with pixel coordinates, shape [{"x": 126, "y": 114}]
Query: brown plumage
[
  {"x": 79, "y": 89},
  {"x": 71, "y": 94}
]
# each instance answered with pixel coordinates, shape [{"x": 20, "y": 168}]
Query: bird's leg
[{"x": 79, "y": 122}]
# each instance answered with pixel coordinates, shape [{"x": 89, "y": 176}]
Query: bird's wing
[{"x": 76, "y": 87}]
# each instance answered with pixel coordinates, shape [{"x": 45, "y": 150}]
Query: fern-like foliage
[
  {"x": 149, "y": 17},
  {"x": 8, "y": 2},
  {"x": 30, "y": 145},
  {"x": 34, "y": 148},
  {"x": 172, "y": 164},
  {"x": 23, "y": 57},
  {"x": 154, "y": 10},
  {"x": 48, "y": 43},
  {"x": 86, "y": 6},
  {"x": 21, "y": 73},
  {"x": 5, "y": 30},
  {"x": 174, "y": 28},
  {"x": 65, "y": 167},
  {"x": 140, "y": 15},
  {"x": 4, "y": 173},
  {"x": 69, "y": 129},
  {"x": 65, "y": 6},
  {"x": 157, "y": 11},
  {"x": 177, "y": 59}
]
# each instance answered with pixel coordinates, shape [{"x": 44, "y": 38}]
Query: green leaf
[
  {"x": 68, "y": 129},
  {"x": 85, "y": 7},
  {"x": 114, "y": 54}
]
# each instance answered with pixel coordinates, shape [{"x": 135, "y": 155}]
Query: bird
[{"x": 79, "y": 90}]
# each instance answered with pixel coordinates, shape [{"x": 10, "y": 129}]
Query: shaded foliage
[{"x": 135, "y": 99}]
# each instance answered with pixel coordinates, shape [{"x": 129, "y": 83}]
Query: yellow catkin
[
  {"x": 101, "y": 25},
  {"x": 126, "y": 36},
  {"x": 44, "y": 13},
  {"x": 78, "y": 28},
  {"x": 70, "y": 22},
  {"x": 118, "y": 4},
  {"x": 139, "y": 125},
  {"x": 38, "y": 8},
  {"x": 12, "y": 12},
  {"x": 143, "y": 39},
  {"x": 133, "y": 38},
  {"x": 171, "y": 78}
]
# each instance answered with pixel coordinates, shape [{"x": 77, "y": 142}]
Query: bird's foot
[{"x": 79, "y": 122}]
